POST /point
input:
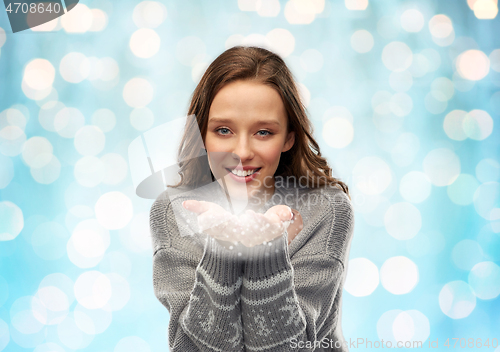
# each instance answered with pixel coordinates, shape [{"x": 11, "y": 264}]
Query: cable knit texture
[{"x": 271, "y": 297}]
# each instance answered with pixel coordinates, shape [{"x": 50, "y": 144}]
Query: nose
[{"x": 243, "y": 149}]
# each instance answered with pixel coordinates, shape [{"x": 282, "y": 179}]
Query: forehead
[{"x": 248, "y": 100}]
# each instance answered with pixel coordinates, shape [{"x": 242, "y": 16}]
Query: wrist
[
  {"x": 223, "y": 264},
  {"x": 267, "y": 259}
]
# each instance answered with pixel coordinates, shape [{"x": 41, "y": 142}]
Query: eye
[
  {"x": 222, "y": 131},
  {"x": 263, "y": 135}
]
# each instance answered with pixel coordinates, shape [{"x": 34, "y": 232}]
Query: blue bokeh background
[{"x": 405, "y": 101}]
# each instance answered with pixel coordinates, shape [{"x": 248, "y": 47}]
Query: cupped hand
[
  {"x": 259, "y": 228},
  {"x": 293, "y": 224},
  {"x": 213, "y": 219},
  {"x": 296, "y": 225},
  {"x": 250, "y": 228}
]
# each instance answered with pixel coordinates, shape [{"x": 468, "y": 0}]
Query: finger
[
  {"x": 196, "y": 206},
  {"x": 286, "y": 213},
  {"x": 282, "y": 211},
  {"x": 260, "y": 220},
  {"x": 246, "y": 218},
  {"x": 222, "y": 236},
  {"x": 211, "y": 219},
  {"x": 298, "y": 220},
  {"x": 273, "y": 217}
]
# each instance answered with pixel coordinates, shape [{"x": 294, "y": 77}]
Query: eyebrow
[{"x": 228, "y": 121}]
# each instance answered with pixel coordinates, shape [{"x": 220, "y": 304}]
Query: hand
[
  {"x": 295, "y": 223},
  {"x": 260, "y": 228},
  {"x": 250, "y": 228},
  {"x": 213, "y": 219}
]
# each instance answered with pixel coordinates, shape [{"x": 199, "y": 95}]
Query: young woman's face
[{"x": 247, "y": 128}]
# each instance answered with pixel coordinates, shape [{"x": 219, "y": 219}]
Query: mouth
[{"x": 243, "y": 175}]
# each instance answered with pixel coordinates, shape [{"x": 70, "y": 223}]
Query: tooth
[{"x": 242, "y": 173}]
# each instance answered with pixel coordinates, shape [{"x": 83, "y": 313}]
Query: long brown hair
[{"x": 261, "y": 65}]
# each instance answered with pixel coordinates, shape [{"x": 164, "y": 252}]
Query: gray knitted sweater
[{"x": 278, "y": 298}]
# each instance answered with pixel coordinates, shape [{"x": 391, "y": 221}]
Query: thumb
[{"x": 283, "y": 212}]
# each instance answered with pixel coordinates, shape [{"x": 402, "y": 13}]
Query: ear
[{"x": 290, "y": 140}]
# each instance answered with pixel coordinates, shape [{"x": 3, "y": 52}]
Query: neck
[
  {"x": 256, "y": 198},
  {"x": 261, "y": 197}
]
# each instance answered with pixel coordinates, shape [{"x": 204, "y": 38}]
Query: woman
[{"x": 270, "y": 278}]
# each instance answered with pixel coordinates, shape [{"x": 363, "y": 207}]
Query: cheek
[
  {"x": 271, "y": 154},
  {"x": 213, "y": 147},
  {"x": 211, "y": 144}
]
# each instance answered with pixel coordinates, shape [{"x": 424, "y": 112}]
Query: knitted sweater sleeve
[
  {"x": 290, "y": 303},
  {"x": 202, "y": 295}
]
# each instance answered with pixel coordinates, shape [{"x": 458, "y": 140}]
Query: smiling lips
[{"x": 245, "y": 174}]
